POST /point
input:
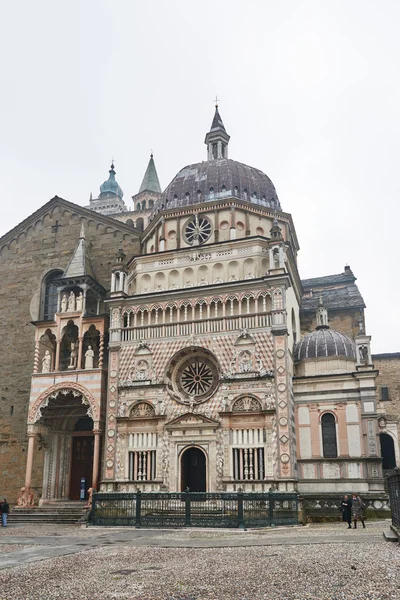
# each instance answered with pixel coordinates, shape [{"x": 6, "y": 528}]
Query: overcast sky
[{"x": 309, "y": 92}]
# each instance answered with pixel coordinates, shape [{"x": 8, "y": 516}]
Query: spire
[
  {"x": 150, "y": 181},
  {"x": 276, "y": 231},
  {"x": 217, "y": 139},
  {"x": 322, "y": 316},
  {"x": 80, "y": 263}
]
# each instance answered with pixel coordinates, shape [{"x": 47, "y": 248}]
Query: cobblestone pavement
[{"x": 315, "y": 562}]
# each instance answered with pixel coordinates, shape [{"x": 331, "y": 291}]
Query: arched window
[
  {"x": 329, "y": 444},
  {"x": 50, "y": 295}
]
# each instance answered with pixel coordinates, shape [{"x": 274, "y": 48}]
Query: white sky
[{"x": 309, "y": 92}]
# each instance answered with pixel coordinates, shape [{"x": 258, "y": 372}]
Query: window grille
[
  {"x": 142, "y": 465},
  {"x": 248, "y": 463},
  {"x": 384, "y": 393},
  {"x": 329, "y": 442}
]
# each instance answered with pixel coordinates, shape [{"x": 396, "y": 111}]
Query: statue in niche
[
  {"x": 218, "y": 280},
  {"x": 276, "y": 258},
  {"x": 89, "y": 356},
  {"x": 173, "y": 287},
  {"x": 188, "y": 284},
  {"x": 364, "y": 355},
  {"x": 79, "y": 302},
  {"x": 203, "y": 281},
  {"x": 249, "y": 275},
  {"x": 64, "y": 303},
  {"x": 233, "y": 278},
  {"x": 71, "y": 302},
  {"x": 46, "y": 362},
  {"x": 74, "y": 355}
]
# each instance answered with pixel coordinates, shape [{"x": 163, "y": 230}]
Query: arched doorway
[
  {"x": 387, "y": 452},
  {"x": 193, "y": 470}
]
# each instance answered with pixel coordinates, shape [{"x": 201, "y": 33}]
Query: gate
[
  {"x": 191, "y": 509},
  {"x": 394, "y": 495}
]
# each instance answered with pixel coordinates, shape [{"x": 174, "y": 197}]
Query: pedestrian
[
  {"x": 5, "y": 509},
  {"x": 358, "y": 510},
  {"x": 345, "y": 506}
]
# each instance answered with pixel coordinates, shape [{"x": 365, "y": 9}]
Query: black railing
[
  {"x": 394, "y": 495},
  {"x": 190, "y": 509}
]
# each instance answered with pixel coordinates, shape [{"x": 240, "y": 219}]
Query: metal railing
[
  {"x": 394, "y": 495},
  {"x": 195, "y": 509}
]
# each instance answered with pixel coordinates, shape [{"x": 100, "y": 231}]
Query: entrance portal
[
  {"x": 82, "y": 465},
  {"x": 387, "y": 451},
  {"x": 193, "y": 470}
]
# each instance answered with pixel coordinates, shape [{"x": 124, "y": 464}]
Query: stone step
[
  {"x": 40, "y": 518},
  {"x": 390, "y": 536}
]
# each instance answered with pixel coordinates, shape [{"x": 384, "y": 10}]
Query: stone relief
[
  {"x": 246, "y": 404},
  {"x": 142, "y": 410}
]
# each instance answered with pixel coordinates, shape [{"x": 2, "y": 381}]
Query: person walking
[
  {"x": 345, "y": 506},
  {"x": 358, "y": 510},
  {"x": 5, "y": 509}
]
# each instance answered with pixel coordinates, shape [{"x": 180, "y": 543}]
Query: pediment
[
  {"x": 65, "y": 205},
  {"x": 192, "y": 420}
]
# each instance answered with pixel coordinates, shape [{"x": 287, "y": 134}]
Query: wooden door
[{"x": 81, "y": 464}]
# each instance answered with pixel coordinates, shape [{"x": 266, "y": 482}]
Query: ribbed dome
[
  {"x": 324, "y": 343},
  {"x": 111, "y": 187},
  {"x": 217, "y": 179}
]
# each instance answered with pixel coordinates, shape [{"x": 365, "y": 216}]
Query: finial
[
  {"x": 91, "y": 197},
  {"x": 151, "y": 153},
  {"x": 321, "y": 303},
  {"x": 82, "y": 234},
  {"x": 216, "y": 101}
]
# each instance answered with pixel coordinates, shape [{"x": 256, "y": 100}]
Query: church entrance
[
  {"x": 193, "y": 470},
  {"x": 388, "y": 452},
  {"x": 81, "y": 465}
]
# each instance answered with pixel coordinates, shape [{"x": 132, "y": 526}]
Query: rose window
[
  {"x": 192, "y": 376},
  {"x": 198, "y": 230},
  {"x": 196, "y": 378}
]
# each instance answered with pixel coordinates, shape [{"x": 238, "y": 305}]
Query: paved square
[{"x": 316, "y": 562}]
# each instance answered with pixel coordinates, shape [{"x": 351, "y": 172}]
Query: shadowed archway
[{"x": 193, "y": 470}]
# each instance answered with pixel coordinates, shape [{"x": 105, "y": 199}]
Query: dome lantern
[
  {"x": 217, "y": 139},
  {"x": 110, "y": 187}
]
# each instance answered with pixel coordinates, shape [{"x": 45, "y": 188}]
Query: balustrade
[{"x": 185, "y": 328}]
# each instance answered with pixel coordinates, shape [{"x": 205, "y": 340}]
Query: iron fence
[
  {"x": 195, "y": 509},
  {"x": 394, "y": 495}
]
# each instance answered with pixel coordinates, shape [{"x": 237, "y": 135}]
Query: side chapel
[{"x": 201, "y": 360}]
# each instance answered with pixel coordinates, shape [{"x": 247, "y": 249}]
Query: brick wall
[
  {"x": 389, "y": 376},
  {"x": 37, "y": 246}
]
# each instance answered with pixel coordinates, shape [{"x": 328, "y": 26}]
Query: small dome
[
  {"x": 324, "y": 343},
  {"x": 111, "y": 187},
  {"x": 218, "y": 179}
]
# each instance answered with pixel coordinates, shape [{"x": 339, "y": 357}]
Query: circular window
[
  {"x": 192, "y": 376},
  {"x": 197, "y": 230}
]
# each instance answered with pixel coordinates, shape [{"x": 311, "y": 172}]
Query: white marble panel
[
  {"x": 304, "y": 415},
  {"x": 369, "y": 407},
  {"x": 305, "y": 442},
  {"x": 331, "y": 470},
  {"x": 353, "y": 436},
  {"x": 354, "y": 470},
  {"x": 351, "y": 413},
  {"x": 308, "y": 471}
]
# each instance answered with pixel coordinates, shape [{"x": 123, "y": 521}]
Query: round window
[
  {"x": 192, "y": 376},
  {"x": 197, "y": 230}
]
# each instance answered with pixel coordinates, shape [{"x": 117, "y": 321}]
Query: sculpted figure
[
  {"x": 79, "y": 302},
  {"x": 46, "y": 362},
  {"x": 64, "y": 302},
  {"x": 73, "y": 356},
  {"x": 364, "y": 358},
  {"x": 89, "y": 356},
  {"x": 71, "y": 302},
  {"x": 25, "y": 497}
]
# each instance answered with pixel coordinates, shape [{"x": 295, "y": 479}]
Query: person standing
[
  {"x": 346, "y": 505},
  {"x": 358, "y": 510},
  {"x": 5, "y": 509}
]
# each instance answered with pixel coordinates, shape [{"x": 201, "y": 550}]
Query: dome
[
  {"x": 324, "y": 343},
  {"x": 111, "y": 187},
  {"x": 217, "y": 179}
]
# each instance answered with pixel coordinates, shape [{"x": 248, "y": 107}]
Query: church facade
[{"x": 184, "y": 351}]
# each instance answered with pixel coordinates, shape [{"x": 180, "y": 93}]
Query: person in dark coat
[
  {"x": 4, "y": 509},
  {"x": 358, "y": 510},
  {"x": 345, "y": 506}
]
